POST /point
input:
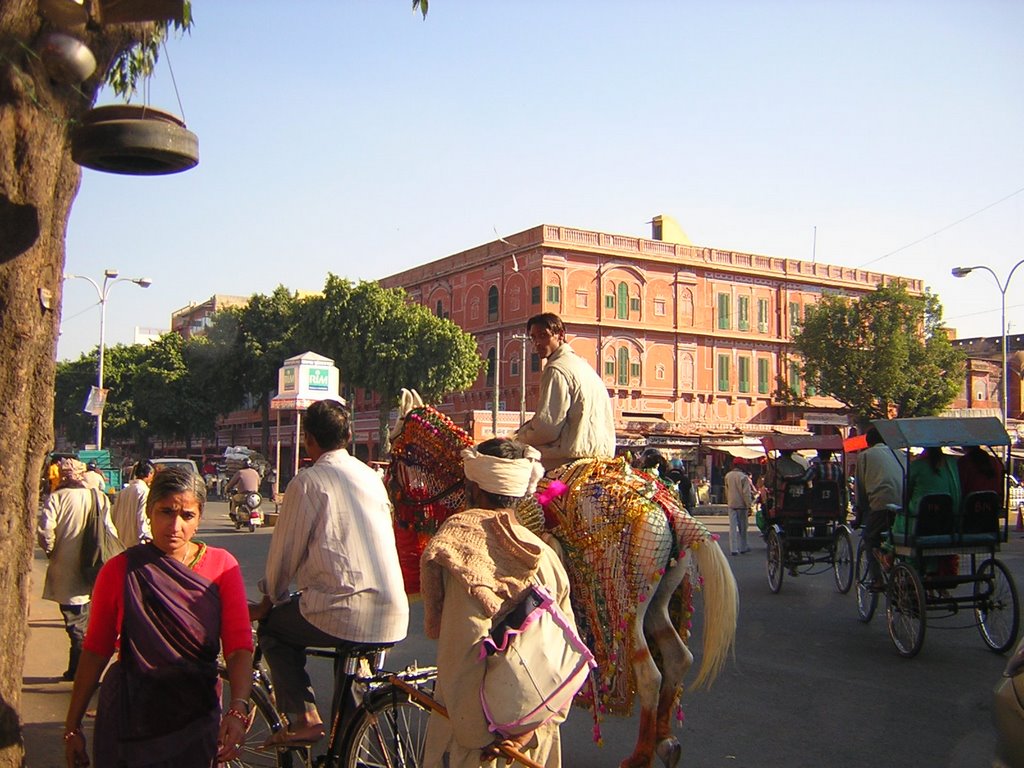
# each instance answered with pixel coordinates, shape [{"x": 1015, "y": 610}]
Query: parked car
[
  {"x": 173, "y": 461},
  {"x": 1008, "y": 713}
]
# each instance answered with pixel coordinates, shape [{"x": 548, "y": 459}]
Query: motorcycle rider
[{"x": 245, "y": 481}]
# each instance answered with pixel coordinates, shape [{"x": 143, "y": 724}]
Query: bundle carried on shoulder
[
  {"x": 98, "y": 543},
  {"x": 535, "y": 664}
]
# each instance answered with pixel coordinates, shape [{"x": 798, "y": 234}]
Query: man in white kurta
[
  {"x": 473, "y": 572},
  {"x": 334, "y": 543},
  {"x": 129, "y": 510}
]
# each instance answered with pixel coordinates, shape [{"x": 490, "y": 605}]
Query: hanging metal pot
[
  {"x": 134, "y": 140},
  {"x": 67, "y": 59},
  {"x": 64, "y": 14}
]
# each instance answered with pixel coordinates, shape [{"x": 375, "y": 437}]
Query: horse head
[{"x": 425, "y": 477}]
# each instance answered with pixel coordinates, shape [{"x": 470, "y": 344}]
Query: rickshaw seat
[
  {"x": 934, "y": 523},
  {"x": 795, "y": 499},
  {"x": 979, "y": 520},
  {"x": 825, "y": 499}
]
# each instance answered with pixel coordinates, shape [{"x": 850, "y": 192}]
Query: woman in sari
[{"x": 167, "y": 606}]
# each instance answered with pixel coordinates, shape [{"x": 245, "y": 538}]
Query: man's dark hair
[
  {"x": 502, "y": 448},
  {"x": 873, "y": 436},
  {"x": 548, "y": 321},
  {"x": 327, "y": 421},
  {"x": 171, "y": 480},
  {"x": 142, "y": 470}
]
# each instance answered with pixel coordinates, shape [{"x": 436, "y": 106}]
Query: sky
[{"x": 358, "y": 139}]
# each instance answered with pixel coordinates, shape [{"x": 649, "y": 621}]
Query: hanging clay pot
[
  {"x": 64, "y": 14},
  {"x": 134, "y": 140},
  {"x": 67, "y": 59}
]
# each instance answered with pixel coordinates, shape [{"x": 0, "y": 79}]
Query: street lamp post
[
  {"x": 522, "y": 338},
  {"x": 110, "y": 279}
]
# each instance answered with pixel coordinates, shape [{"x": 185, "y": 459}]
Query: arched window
[
  {"x": 490, "y": 367},
  {"x": 440, "y": 309},
  {"x": 623, "y": 365},
  {"x": 622, "y": 302},
  {"x": 492, "y": 304}
]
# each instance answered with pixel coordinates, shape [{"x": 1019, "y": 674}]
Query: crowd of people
[{"x": 169, "y": 604}]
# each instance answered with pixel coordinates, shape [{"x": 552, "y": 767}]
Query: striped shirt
[{"x": 334, "y": 541}]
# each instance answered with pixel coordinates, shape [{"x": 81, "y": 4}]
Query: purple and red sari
[{"x": 160, "y": 702}]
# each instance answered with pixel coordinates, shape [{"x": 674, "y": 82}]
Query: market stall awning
[{"x": 740, "y": 451}]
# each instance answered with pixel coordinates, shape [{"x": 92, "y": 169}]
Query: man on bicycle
[
  {"x": 880, "y": 473},
  {"x": 334, "y": 542}
]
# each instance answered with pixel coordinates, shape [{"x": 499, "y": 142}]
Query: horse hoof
[{"x": 669, "y": 751}]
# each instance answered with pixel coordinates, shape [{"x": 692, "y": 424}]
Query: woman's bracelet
[
  {"x": 243, "y": 719},
  {"x": 69, "y": 735},
  {"x": 243, "y": 702}
]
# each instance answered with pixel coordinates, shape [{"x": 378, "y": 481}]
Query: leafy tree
[
  {"x": 73, "y": 382},
  {"x": 883, "y": 355},
  {"x": 383, "y": 343},
  {"x": 166, "y": 392},
  {"x": 266, "y": 335}
]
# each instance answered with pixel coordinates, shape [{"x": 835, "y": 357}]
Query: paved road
[{"x": 810, "y": 685}]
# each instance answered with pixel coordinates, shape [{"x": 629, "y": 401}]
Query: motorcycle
[{"x": 247, "y": 511}]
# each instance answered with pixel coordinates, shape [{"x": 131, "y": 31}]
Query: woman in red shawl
[{"x": 167, "y": 606}]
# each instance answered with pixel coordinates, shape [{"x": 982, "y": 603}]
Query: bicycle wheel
[
  {"x": 389, "y": 731},
  {"x": 995, "y": 606},
  {"x": 266, "y": 721},
  {"x": 867, "y": 598},
  {"x": 842, "y": 559},
  {"x": 905, "y": 610}
]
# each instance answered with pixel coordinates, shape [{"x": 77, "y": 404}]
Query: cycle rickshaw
[
  {"x": 983, "y": 588},
  {"x": 805, "y": 520}
]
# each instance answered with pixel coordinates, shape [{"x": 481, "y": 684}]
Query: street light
[
  {"x": 963, "y": 272},
  {"x": 110, "y": 279}
]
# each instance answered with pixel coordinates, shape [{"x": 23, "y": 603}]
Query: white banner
[{"x": 96, "y": 400}]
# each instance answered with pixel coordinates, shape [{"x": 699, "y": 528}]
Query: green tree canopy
[
  {"x": 884, "y": 355},
  {"x": 383, "y": 342}
]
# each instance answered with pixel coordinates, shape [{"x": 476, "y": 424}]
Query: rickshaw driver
[
  {"x": 880, "y": 472},
  {"x": 788, "y": 467}
]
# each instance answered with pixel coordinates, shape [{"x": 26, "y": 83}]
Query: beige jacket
[
  {"x": 574, "y": 418},
  {"x": 59, "y": 532}
]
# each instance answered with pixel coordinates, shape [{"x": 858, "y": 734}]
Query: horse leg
[
  {"x": 648, "y": 684},
  {"x": 675, "y": 661}
]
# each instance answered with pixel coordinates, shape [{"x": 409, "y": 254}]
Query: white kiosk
[{"x": 301, "y": 381}]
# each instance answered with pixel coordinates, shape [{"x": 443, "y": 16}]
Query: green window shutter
[
  {"x": 744, "y": 374},
  {"x": 724, "y": 321},
  {"x": 634, "y": 370},
  {"x": 794, "y": 377},
  {"x": 622, "y": 303},
  {"x": 762, "y": 376},
  {"x": 554, "y": 294},
  {"x": 609, "y": 301},
  {"x": 723, "y": 373},
  {"x": 623, "y": 366},
  {"x": 762, "y": 315},
  {"x": 609, "y": 367},
  {"x": 794, "y": 317},
  {"x": 743, "y": 313}
]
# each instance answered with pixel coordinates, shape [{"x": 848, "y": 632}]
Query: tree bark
[{"x": 38, "y": 183}]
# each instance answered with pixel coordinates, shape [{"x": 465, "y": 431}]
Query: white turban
[{"x": 503, "y": 477}]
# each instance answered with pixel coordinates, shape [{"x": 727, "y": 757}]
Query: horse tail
[{"x": 721, "y": 608}]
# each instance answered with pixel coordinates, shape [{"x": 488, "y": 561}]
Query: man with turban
[{"x": 473, "y": 572}]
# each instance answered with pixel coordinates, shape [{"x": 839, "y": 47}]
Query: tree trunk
[
  {"x": 38, "y": 182},
  {"x": 385, "y": 429}
]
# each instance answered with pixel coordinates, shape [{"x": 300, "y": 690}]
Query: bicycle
[{"x": 386, "y": 730}]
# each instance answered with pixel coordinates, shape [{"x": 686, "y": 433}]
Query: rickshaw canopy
[
  {"x": 786, "y": 442},
  {"x": 928, "y": 431}
]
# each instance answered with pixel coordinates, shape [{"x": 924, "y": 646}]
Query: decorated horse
[{"x": 628, "y": 547}]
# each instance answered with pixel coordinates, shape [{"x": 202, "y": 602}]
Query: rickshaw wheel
[
  {"x": 996, "y": 606},
  {"x": 842, "y": 559},
  {"x": 774, "y": 550},
  {"x": 905, "y": 610},
  {"x": 867, "y": 598}
]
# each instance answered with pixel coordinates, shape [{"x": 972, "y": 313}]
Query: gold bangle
[
  {"x": 243, "y": 719},
  {"x": 69, "y": 735},
  {"x": 244, "y": 702}
]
